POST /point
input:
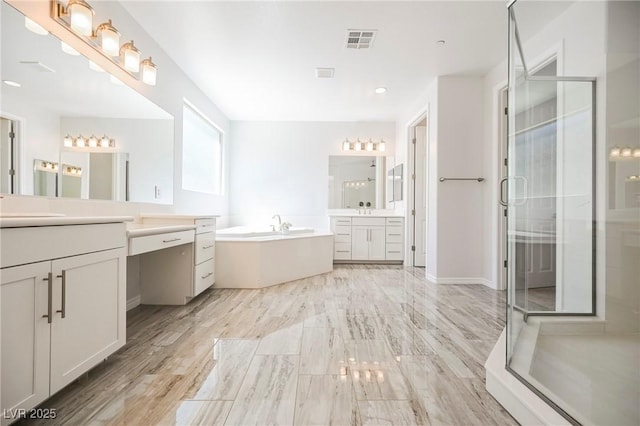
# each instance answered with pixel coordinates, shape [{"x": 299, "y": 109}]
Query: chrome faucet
[{"x": 279, "y": 222}]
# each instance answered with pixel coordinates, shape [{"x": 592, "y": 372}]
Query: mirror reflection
[
  {"x": 45, "y": 178},
  {"x": 356, "y": 182},
  {"x": 60, "y": 95}
]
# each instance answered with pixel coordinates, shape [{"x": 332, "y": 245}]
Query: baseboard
[
  {"x": 133, "y": 302},
  {"x": 524, "y": 405},
  {"x": 460, "y": 280}
]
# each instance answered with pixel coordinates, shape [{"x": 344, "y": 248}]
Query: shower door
[{"x": 548, "y": 192}]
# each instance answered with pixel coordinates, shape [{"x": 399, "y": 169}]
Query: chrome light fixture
[
  {"x": 130, "y": 57},
  {"x": 109, "y": 38},
  {"x": 148, "y": 72},
  {"x": 91, "y": 143}
]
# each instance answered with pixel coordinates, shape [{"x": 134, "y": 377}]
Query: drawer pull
[
  {"x": 342, "y": 251},
  {"x": 171, "y": 240},
  {"x": 206, "y": 226},
  {"x": 208, "y": 247},
  {"x": 49, "y": 315},
  {"x": 343, "y": 234},
  {"x": 63, "y": 309},
  {"x": 393, "y": 251},
  {"x": 207, "y": 276},
  {"x": 395, "y": 234}
]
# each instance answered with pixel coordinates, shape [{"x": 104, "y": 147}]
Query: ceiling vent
[
  {"x": 325, "y": 72},
  {"x": 360, "y": 39},
  {"x": 37, "y": 66}
]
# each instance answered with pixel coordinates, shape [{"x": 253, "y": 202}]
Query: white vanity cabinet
[
  {"x": 170, "y": 277},
  {"x": 62, "y": 294},
  {"x": 368, "y": 239}
]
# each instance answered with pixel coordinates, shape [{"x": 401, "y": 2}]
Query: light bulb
[
  {"x": 346, "y": 146},
  {"x": 626, "y": 152},
  {"x": 81, "y": 17},
  {"x": 109, "y": 38},
  {"x": 104, "y": 142},
  {"x": 382, "y": 146},
  {"x": 636, "y": 153},
  {"x": 149, "y": 72},
  {"x": 80, "y": 141},
  {"x": 358, "y": 145},
  {"x": 130, "y": 57},
  {"x": 615, "y": 151},
  {"x": 93, "y": 141},
  {"x": 370, "y": 145}
]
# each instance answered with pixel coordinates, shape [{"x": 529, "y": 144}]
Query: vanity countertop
[
  {"x": 143, "y": 229},
  {"x": 365, "y": 215},
  {"x": 177, "y": 216},
  {"x": 29, "y": 221}
]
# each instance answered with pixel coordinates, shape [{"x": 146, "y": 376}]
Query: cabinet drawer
[
  {"x": 394, "y": 251},
  {"x": 395, "y": 221},
  {"x": 342, "y": 221},
  {"x": 342, "y": 251},
  {"x": 342, "y": 233},
  {"x": 148, "y": 243},
  {"x": 205, "y": 225},
  {"x": 368, "y": 221},
  {"x": 205, "y": 246},
  {"x": 204, "y": 277},
  {"x": 394, "y": 234}
]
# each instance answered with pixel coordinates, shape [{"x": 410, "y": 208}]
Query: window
[{"x": 201, "y": 153}]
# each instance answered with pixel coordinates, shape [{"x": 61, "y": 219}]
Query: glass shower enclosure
[{"x": 573, "y": 207}]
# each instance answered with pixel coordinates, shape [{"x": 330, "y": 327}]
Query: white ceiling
[{"x": 257, "y": 60}]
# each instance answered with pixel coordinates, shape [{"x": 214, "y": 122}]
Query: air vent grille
[
  {"x": 325, "y": 72},
  {"x": 360, "y": 39}
]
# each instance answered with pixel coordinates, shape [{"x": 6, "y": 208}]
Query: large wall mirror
[
  {"x": 356, "y": 182},
  {"x": 61, "y": 95}
]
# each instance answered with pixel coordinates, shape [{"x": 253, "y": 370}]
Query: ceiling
[{"x": 257, "y": 60}]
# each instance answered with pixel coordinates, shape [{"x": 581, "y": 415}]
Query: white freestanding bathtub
[{"x": 259, "y": 257}]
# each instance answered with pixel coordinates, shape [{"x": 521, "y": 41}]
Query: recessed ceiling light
[
  {"x": 12, "y": 83},
  {"x": 380, "y": 90},
  {"x": 440, "y": 42}
]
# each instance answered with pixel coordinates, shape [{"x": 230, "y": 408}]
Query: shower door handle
[{"x": 502, "y": 186}]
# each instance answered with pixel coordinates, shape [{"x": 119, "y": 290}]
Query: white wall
[
  {"x": 173, "y": 86},
  {"x": 283, "y": 168}
]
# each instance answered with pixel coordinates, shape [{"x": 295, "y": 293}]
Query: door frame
[
  {"x": 18, "y": 150},
  {"x": 411, "y": 173}
]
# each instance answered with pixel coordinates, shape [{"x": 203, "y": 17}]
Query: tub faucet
[{"x": 279, "y": 221}]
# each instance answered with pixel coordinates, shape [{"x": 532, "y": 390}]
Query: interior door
[{"x": 420, "y": 194}]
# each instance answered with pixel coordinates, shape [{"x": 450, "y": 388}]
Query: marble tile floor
[{"x": 362, "y": 345}]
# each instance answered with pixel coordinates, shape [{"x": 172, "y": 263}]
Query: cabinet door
[
  {"x": 360, "y": 243},
  {"x": 24, "y": 370},
  {"x": 89, "y": 313},
  {"x": 377, "y": 248}
]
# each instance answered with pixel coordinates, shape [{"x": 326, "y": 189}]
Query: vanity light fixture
[
  {"x": 633, "y": 178},
  {"x": 625, "y": 152},
  {"x": 369, "y": 146},
  {"x": 130, "y": 57},
  {"x": 47, "y": 166},
  {"x": 77, "y": 16},
  {"x": 90, "y": 143},
  {"x": 33, "y": 27},
  {"x": 109, "y": 38},
  {"x": 148, "y": 72},
  {"x": 71, "y": 170}
]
